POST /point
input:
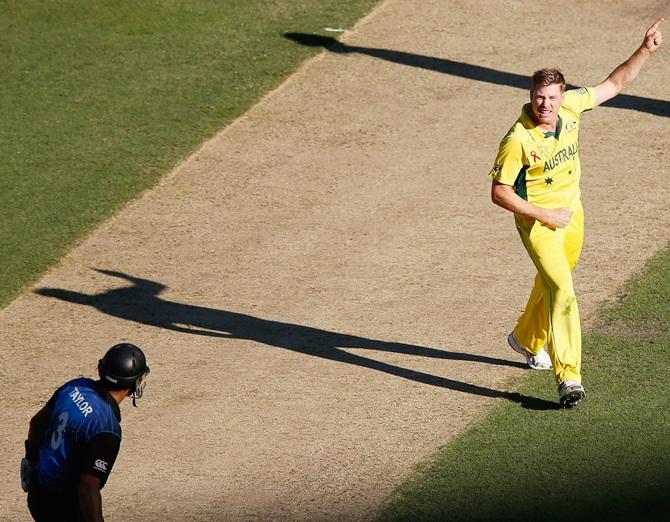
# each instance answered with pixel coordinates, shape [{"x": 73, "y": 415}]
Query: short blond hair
[{"x": 545, "y": 77}]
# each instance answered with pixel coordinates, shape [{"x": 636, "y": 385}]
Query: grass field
[
  {"x": 608, "y": 459},
  {"x": 101, "y": 98}
]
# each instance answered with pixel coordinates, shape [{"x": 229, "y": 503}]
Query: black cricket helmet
[{"x": 124, "y": 366}]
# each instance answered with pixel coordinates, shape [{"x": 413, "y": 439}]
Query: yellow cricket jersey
[{"x": 543, "y": 167}]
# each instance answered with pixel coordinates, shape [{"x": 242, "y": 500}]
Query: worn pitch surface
[{"x": 323, "y": 289}]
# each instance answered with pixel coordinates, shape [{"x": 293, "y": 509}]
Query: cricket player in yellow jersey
[{"x": 536, "y": 176}]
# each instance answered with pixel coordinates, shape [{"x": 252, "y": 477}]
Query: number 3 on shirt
[{"x": 57, "y": 437}]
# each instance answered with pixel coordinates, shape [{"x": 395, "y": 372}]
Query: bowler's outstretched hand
[{"x": 653, "y": 37}]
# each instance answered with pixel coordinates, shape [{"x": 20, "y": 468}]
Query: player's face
[{"x": 545, "y": 101}]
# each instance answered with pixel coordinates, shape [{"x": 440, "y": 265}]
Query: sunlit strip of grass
[
  {"x": 100, "y": 98},
  {"x": 607, "y": 459}
]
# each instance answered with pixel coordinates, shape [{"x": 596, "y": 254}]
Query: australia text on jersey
[{"x": 560, "y": 157}]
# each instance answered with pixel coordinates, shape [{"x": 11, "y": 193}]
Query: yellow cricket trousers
[{"x": 551, "y": 316}]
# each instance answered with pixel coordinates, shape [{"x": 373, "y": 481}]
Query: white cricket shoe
[
  {"x": 570, "y": 393},
  {"x": 541, "y": 361}
]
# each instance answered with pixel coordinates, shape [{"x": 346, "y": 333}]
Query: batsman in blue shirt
[{"x": 74, "y": 439}]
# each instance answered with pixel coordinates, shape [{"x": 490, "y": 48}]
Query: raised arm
[{"x": 628, "y": 70}]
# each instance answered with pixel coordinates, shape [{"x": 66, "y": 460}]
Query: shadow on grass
[
  {"x": 141, "y": 303},
  {"x": 469, "y": 71},
  {"x": 606, "y": 460}
]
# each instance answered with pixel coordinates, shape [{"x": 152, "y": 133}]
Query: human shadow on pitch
[
  {"x": 141, "y": 303},
  {"x": 466, "y": 70}
]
